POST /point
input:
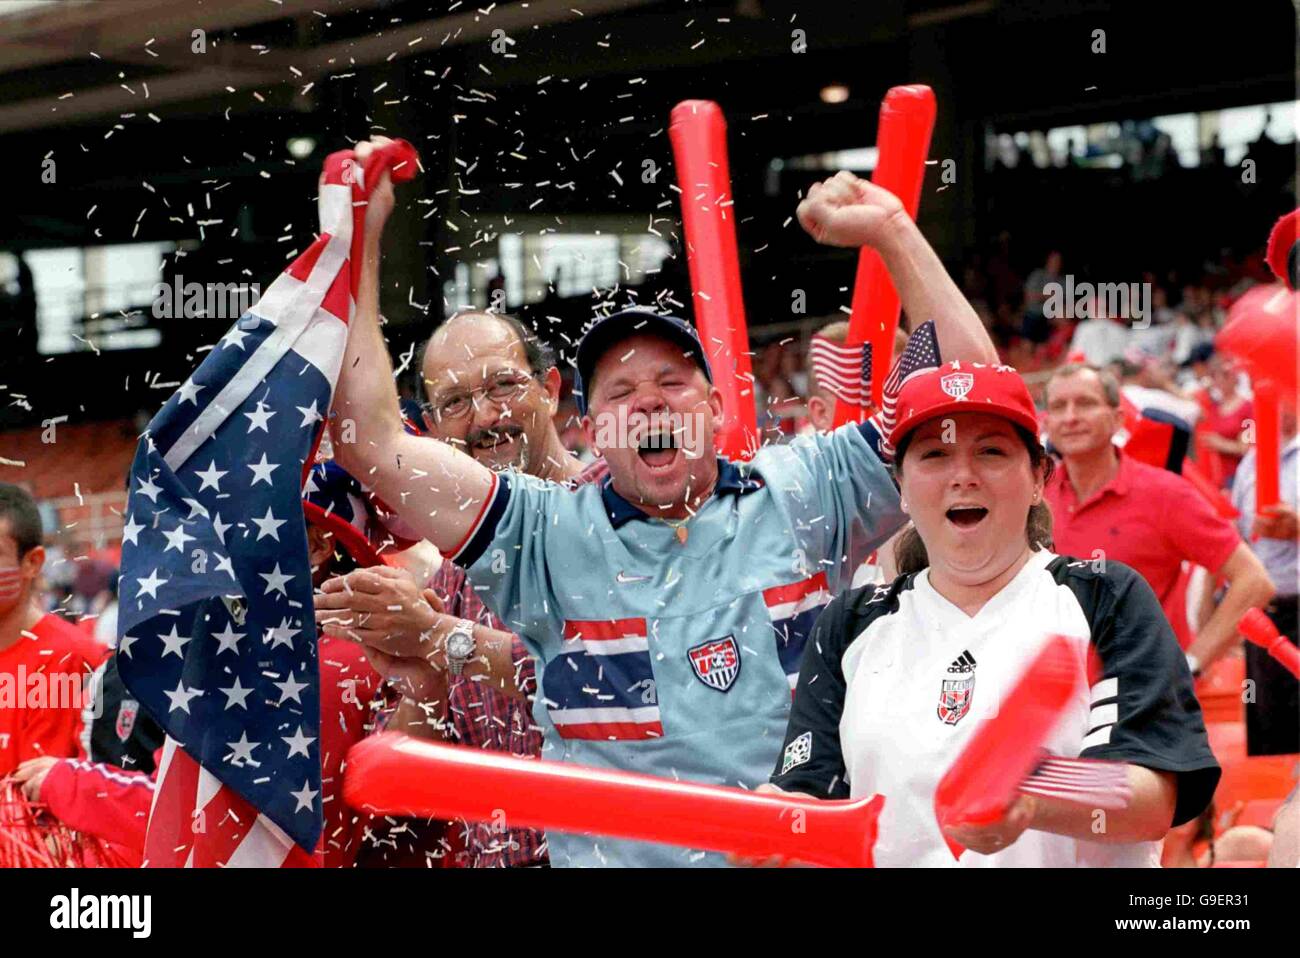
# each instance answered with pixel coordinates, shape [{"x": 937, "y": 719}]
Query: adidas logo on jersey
[
  {"x": 963, "y": 663},
  {"x": 957, "y": 691}
]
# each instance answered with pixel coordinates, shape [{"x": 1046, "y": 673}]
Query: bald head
[
  {"x": 474, "y": 332},
  {"x": 491, "y": 388}
]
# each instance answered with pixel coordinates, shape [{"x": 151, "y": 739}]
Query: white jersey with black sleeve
[{"x": 894, "y": 680}]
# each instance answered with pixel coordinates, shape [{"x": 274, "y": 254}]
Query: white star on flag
[
  {"x": 262, "y": 471},
  {"x": 305, "y": 796},
  {"x": 145, "y": 487},
  {"x": 242, "y": 751},
  {"x": 228, "y": 639},
  {"x": 258, "y": 419},
  {"x": 150, "y": 584},
  {"x": 196, "y": 508},
  {"x": 176, "y": 539},
  {"x": 236, "y": 694},
  {"x": 173, "y": 642},
  {"x": 180, "y": 697},
  {"x": 275, "y": 581},
  {"x": 309, "y": 414},
  {"x": 281, "y": 634},
  {"x": 130, "y": 530},
  {"x": 211, "y": 478},
  {"x": 235, "y": 337},
  {"x": 290, "y": 689},
  {"x": 268, "y": 525},
  {"x": 189, "y": 392},
  {"x": 298, "y": 743}
]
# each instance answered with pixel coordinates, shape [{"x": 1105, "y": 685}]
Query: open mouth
[
  {"x": 492, "y": 439},
  {"x": 966, "y": 517},
  {"x": 658, "y": 450}
]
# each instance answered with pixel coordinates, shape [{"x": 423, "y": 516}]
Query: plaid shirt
[{"x": 484, "y": 716}]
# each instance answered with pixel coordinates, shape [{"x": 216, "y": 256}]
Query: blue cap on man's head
[{"x": 617, "y": 327}]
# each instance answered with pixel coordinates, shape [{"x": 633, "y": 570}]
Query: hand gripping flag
[{"x": 217, "y": 634}]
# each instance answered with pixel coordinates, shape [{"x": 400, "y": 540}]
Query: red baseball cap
[{"x": 963, "y": 387}]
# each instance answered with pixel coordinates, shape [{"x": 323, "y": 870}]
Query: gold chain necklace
[{"x": 678, "y": 527}]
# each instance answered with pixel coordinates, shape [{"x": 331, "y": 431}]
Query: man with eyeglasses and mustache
[
  {"x": 491, "y": 388},
  {"x": 667, "y": 605}
]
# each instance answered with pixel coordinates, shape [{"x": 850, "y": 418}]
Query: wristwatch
[
  {"x": 1194, "y": 665},
  {"x": 460, "y": 647}
]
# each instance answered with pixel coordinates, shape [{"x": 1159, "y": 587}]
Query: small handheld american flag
[
  {"x": 920, "y": 354},
  {"x": 843, "y": 371}
]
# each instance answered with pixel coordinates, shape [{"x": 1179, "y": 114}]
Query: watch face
[{"x": 460, "y": 645}]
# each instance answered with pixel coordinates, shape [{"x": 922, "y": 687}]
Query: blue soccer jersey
[{"x": 671, "y": 658}]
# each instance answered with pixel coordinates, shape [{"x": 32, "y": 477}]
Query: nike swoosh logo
[{"x": 624, "y": 578}]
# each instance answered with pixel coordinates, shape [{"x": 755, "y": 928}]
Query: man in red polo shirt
[
  {"x": 44, "y": 661},
  {"x": 1108, "y": 505}
]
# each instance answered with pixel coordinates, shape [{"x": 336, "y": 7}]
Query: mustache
[{"x": 507, "y": 430}]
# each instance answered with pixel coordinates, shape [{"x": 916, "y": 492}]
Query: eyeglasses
[{"x": 457, "y": 404}]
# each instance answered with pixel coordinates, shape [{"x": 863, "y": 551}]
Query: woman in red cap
[{"x": 896, "y": 677}]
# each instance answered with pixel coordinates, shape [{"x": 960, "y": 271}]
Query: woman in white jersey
[{"x": 895, "y": 677}]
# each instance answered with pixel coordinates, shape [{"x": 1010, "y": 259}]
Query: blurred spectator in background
[
  {"x": 1037, "y": 326},
  {"x": 1098, "y": 339},
  {"x": 1194, "y": 369},
  {"x": 1227, "y": 411},
  {"x": 1148, "y": 383},
  {"x": 568, "y": 423},
  {"x": 105, "y": 632},
  {"x": 44, "y": 661},
  {"x": 1155, "y": 338},
  {"x": 1108, "y": 506},
  {"x": 777, "y": 417},
  {"x": 1195, "y": 323},
  {"x": 792, "y": 369},
  {"x": 1213, "y": 155},
  {"x": 1273, "y": 718},
  {"x": 1004, "y": 282}
]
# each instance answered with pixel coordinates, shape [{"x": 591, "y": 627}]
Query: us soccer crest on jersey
[
  {"x": 958, "y": 690},
  {"x": 126, "y": 715},
  {"x": 716, "y": 663}
]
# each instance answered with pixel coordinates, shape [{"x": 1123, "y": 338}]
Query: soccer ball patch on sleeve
[{"x": 797, "y": 752}]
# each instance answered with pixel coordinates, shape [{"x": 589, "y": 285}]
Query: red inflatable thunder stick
[
  {"x": 699, "y": 137},
  {"x": 983, "y": 781},
  {"x": 1259, "y": 629},
  {"x": 903, "y": 142},
  {"x": 1261, "y": 331},
  {"x": 1268, "y": 444},
  {"x": 395, "y": 774}
]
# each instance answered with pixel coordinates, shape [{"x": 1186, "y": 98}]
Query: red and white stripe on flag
[
  {"x": 842, "y": 370},
  {"x": 197, "y": 822}
]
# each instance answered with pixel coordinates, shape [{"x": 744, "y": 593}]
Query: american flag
[
  {"x": 920, "y": 354},
  {"x": 218, "y": 638},
  {"x": 1083, "y": 781},
  {"x": 843, "y": 371}
]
